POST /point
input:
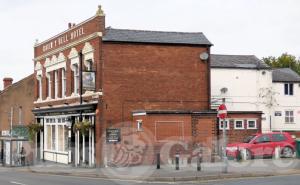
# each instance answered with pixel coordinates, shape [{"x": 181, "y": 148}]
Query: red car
[{"x": 262, "y": 145}]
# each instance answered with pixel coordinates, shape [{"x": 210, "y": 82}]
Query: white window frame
[
  {"x": 289, "y": 116},
  {"x": 250, "y": 128},
  {"x": 55, "y": 84},
  {"x": 63, "y": 83},
  {"x": 289, "y": 93},
  {"x": 239, "y": 128},
  {"x": 49, "y": 85},
  {"x": 139, "y": 125},
  {"x": 40, "y": 93},
  {"x": 227, "y": 125},
  {"x": 76, "y": 79},
  {"x": 54, "y": 122}
]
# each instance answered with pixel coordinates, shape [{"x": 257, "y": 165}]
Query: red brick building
[{"x": 146, "y": 88}]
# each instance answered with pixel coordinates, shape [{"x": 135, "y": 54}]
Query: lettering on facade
[{"x": 63, "y": 39}]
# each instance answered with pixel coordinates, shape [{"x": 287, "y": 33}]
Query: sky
[{"x": 251, "y": 27}]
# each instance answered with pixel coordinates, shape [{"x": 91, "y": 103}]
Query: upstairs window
[
  {"x": 289, "y": 116},
  {"x": 63, "y": 83},
  {"x": 56, "y": 84},
  {"x": 49, "y": 85},
  {"x": 288, "y": 89},
  {"x": 76, "y": 79}
]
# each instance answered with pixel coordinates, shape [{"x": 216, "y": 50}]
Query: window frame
[
  {"x": 289, "y": 117},
  {"x": 239, "y": 128},
  {"x": 226, "y": 122},
  {"x": 288, "y": 89},
  {"x": 252, "y": 128}
]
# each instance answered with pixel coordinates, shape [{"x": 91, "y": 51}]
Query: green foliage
[
  {"x": 33, "y": 128},
  {"x": 83, "y": 127},
  {"x": 284, "y": 61}
]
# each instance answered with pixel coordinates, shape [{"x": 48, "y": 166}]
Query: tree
[{"x": 284, "y": 61}]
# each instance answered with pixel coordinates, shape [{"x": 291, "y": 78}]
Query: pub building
[{"x": 94, "y": 83}]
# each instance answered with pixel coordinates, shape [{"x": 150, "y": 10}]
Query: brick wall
[
  {"x": 237, "y": 135},
  {"x": 20, "y": 94},
  {"x": 152, "y": 77}
]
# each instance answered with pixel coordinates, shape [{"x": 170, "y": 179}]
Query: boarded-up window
[{"x": 169, "y": 130}]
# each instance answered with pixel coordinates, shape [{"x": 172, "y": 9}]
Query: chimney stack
[
  {"x": 69, "y": 25},
  {"x": 7, "y": 82}
]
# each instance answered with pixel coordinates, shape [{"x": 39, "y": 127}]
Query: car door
[{"x": 262, "y": 146}]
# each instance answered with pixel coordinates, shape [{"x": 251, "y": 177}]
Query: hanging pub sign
[
  {"x": 113, "y": 135},
  {"x": 89, "y": 80}
]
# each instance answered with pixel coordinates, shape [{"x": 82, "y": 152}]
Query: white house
[
  {"x": 246, "y": 84},
  {"x": 286, "y": 110}
]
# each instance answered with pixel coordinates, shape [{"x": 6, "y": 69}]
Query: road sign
[{"x": 222, "y": 111}]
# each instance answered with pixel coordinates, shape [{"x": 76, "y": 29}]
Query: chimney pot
[
  {"x": 69, "y": 25},
  {"x": 7, "y": 82}
]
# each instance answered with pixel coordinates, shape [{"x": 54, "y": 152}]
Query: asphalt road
[{"x": 25, "y": 178}]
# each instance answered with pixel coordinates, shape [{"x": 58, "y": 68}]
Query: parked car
[{"x": 262, "y": 145}]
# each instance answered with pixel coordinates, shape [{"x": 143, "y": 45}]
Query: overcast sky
[{"x": 259, "y": 27}]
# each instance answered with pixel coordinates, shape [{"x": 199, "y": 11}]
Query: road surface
[{"x": 26, "y": 178}]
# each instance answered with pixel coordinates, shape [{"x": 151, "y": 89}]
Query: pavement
[{"x": 167, "y": 173}]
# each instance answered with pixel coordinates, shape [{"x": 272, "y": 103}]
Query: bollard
[
  {"x": 238, "y": 155},
  {"x": 177, "y": 161},
  {"x": 199, "y": 160},
  {"x": 277, "y": 152},
  {"x": 158, "y": 161}
]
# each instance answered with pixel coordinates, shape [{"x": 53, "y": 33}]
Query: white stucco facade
[
  {"x": 253, "y": 90},
  {"x": 243, "y": 89},
  {"x": 286, "y": 103}
]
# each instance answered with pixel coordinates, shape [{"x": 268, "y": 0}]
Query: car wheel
[
  {"x": 287, "y": 152},
  {"x": 248, "y": 154}
]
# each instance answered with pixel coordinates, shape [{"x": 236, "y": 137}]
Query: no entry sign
[{"x": 222, "y": 111}]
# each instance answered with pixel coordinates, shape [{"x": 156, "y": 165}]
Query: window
[
  {"x": 76, "y": 79},
  {"x": 57, "y": 135},
  {"x": 289, "y": 116},
  {"x": 49, "y": 86},
  {"x": 63, "y": 83},
  {"x": 48, "y": 133},
  {"x": 263, "y": 139},
  {"x": 288, "y": 89},
  {"x": 90, "y": 65},
  {"x": 238, "y": 124},
  {"x": 226, "y": 124},
  {"x": 139, "y": 125},
  {"x": 278, "y": 137},
  {"x": 251, "y": 124},
  {"x": 55, "y": 84},
  {"x": 39, "y": 81}
]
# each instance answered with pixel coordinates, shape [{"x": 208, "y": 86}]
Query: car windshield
[{"x": 248, "y": 139}]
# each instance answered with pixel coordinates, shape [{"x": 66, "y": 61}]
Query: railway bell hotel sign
[{"x": 69, "y": 36}]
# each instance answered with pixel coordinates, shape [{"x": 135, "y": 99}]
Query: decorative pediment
[
  {"x": 73, "y": 53},
  {"x": 38, "y": 66},
  {"x": 55, "y": 63},
  {"x": 47, "y": 62},
  {"x": 61, "y": 58},
  {"x": 53, "y": 60},
  {"x": 88, "y": 48}
]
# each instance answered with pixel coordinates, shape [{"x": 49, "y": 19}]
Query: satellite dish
[
  {"x": 204, "y": 56},
  {"x": 224, "y": 90}
]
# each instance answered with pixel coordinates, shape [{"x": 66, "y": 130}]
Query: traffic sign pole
[{"x": 222, "y": 112}]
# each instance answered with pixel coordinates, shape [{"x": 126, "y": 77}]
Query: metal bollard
[
  {"x": 199, "y": 160},
  {"x": 158, "y": 161},
  {"x": 177, "y": 161},
  {"x": 238, "y": 155}
]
